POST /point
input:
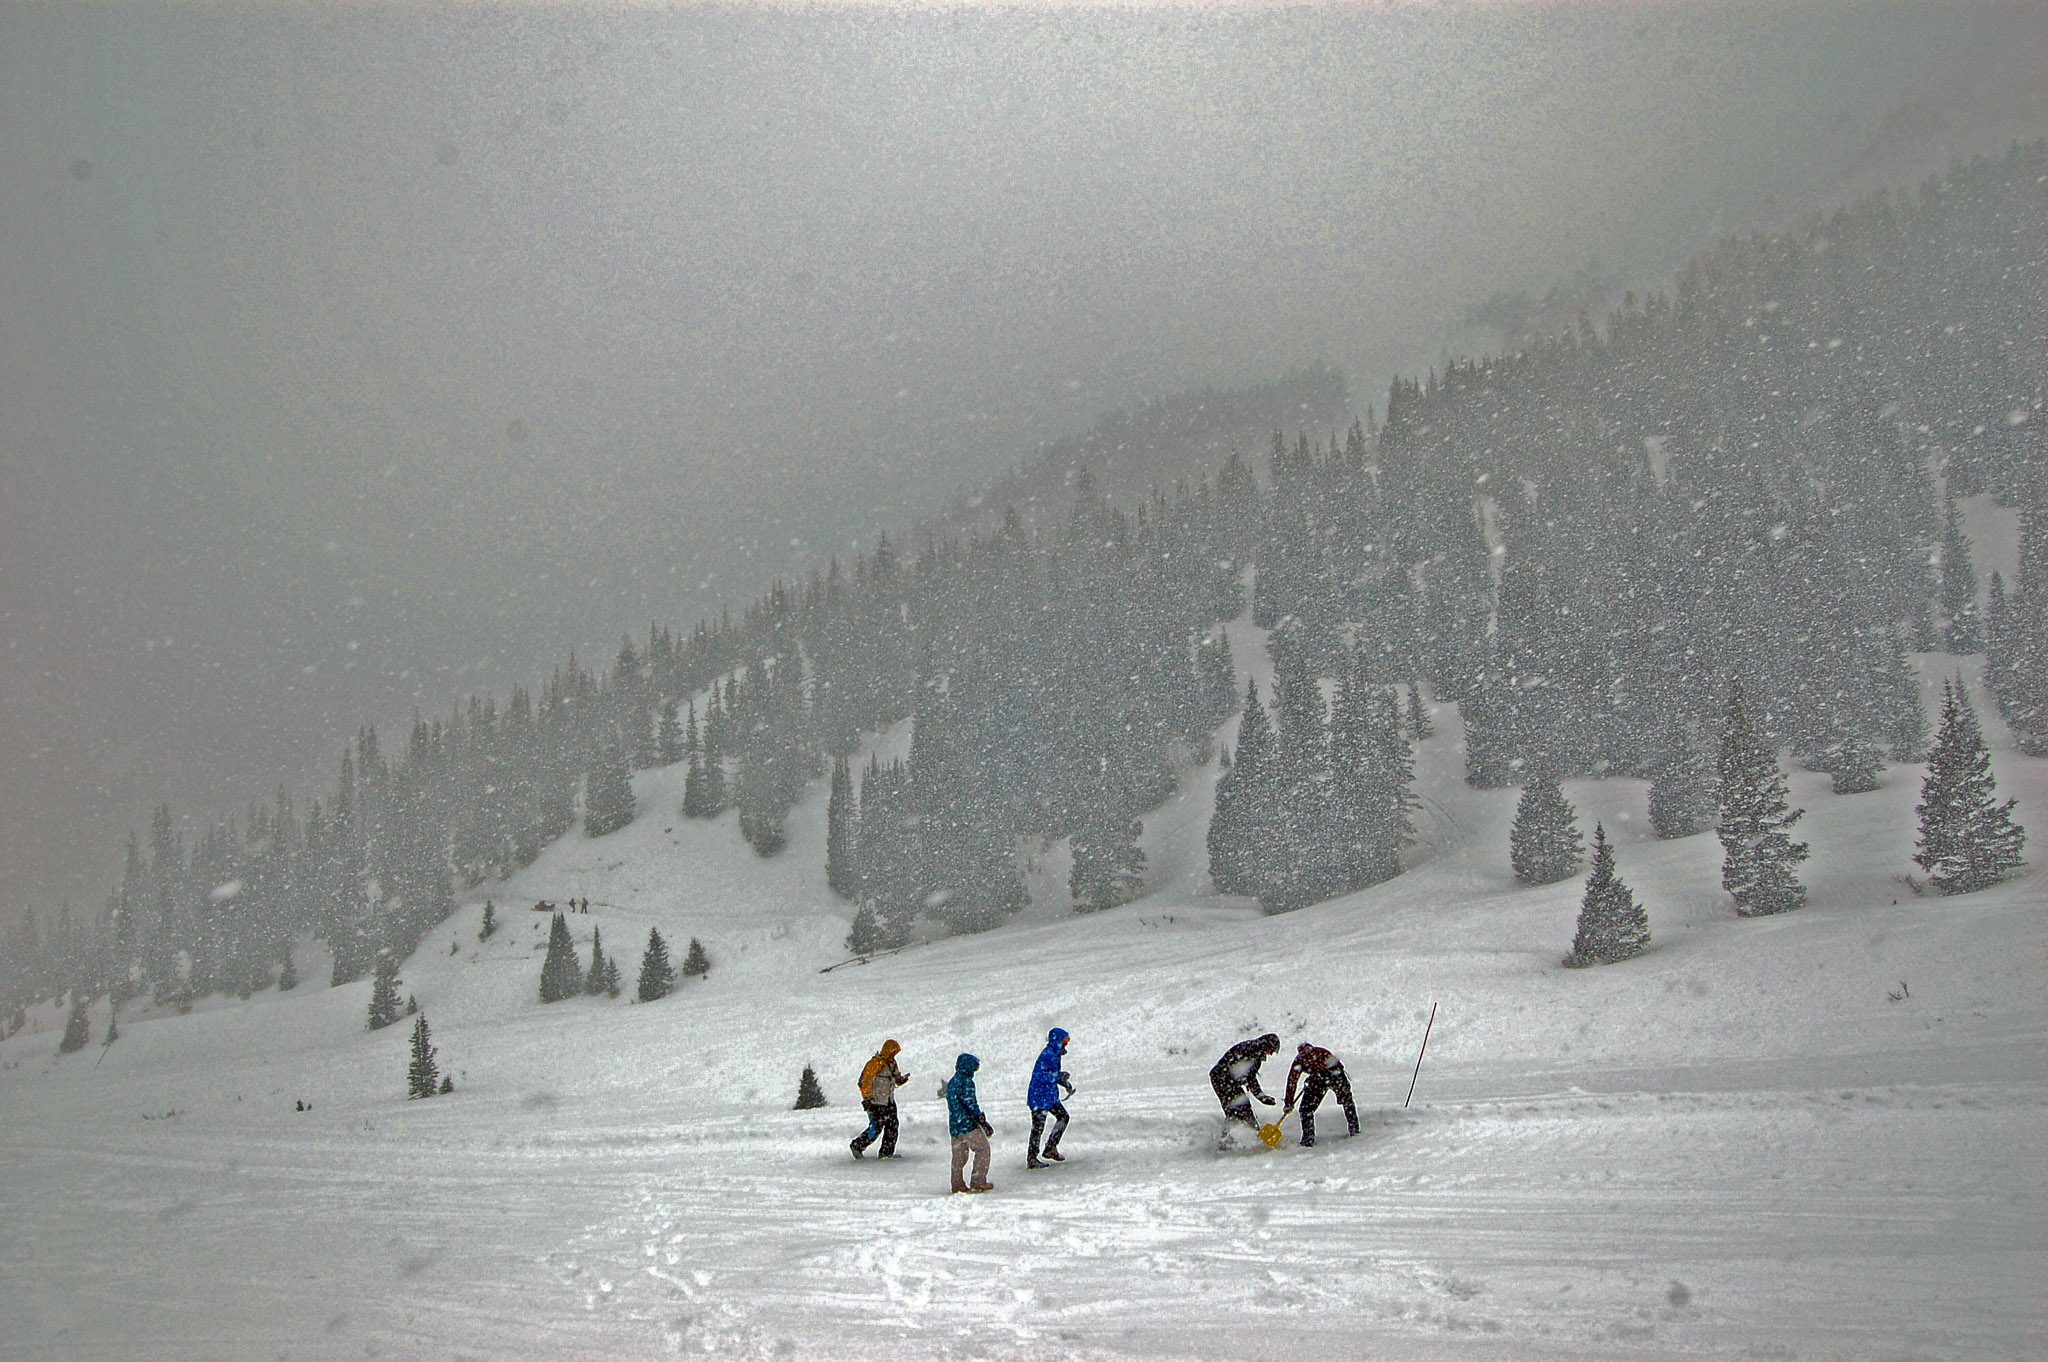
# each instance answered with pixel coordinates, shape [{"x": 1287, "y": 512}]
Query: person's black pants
[
  {"x": 1059, "y": 1128},
  {"x": 1312, "y": 1097},
  {"x": 1237, "y": 1106},
  {"x": 881, "y": 1122}
]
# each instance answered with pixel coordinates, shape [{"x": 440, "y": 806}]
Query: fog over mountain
[{"x": 351, "y": 361}]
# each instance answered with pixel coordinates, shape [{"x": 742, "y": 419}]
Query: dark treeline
[{"x": 1750, "y": 478}]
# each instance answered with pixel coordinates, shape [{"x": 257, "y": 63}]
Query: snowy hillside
[{"x": 1813, "y": 1135}]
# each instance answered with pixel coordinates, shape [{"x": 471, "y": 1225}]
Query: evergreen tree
[
  {"x": 447, "y": 1084},
  {"x": 490, "y": 921},
  {"x": 1961, "y": 631},
  {"x": 1681, "y": 788},
  {"x": 611, "y": 976},
  {"x": 668, "y": 736},
  {"x": 1967, "y": 840},
  {"x": 1419, "y": 726},
  {"x": 1242, "y": 821},
  {"x": 657, "y": 975},
  {"x": 608, "y": 797},
  {"x": 704, "y": 785},
  {"x": 561, "y": 971},
  {"x": 1854, "y": 764},
  {"x": 77, "y": 1029},
  {"x": 808, "y": 1094},
  {"x": 696, "y": 964},
  {"x": 421, "y": 1077},
  {"x": 412, "y": 1005},
  {"x": 1758, "y": 853},
  {"x": 384, "y": 992},
  {"x": 113, "y": 1029},
  {"x": 842, "y": 853},
  {"x": 593, "y": 982},
  {"x": 1612, "y": 925},
  {"x": 288, "y": 971},
  {"x": 1109, "y": 865},
  {"x": 1544, "y": 844}
]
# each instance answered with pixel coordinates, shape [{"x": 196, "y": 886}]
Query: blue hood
[
  {"x": 1057, "y": 1035},
  {"x": 966, "y": 1064}
]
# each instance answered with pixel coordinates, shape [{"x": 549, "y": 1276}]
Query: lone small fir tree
[
  {"x": 657, "y": 975},
  {"x": 1967, "y": 840},
  {"x": 1758, "y": 854},
  {"x": 1544, "y": 845},
  {"x": 421, "y": 1077},
  {"x": 696, "y": 964},
  {"x": 1612, "y": 925},
  {"x": 77, "y": 1030},
  {"x": 490, "y": 921},
  {"x": 593, "y": 983},
  {"x": 611, "y": 976},
  {"x": 561, "y": 973},
  {"x": 1854, "y": 764},
  {"x": 384, "y": 992},
  {"x": 808, "y": 1093},
  {"x": 1419, "y": 726}
]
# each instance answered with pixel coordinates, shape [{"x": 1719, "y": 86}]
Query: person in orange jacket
[{"x": 879, "y": 1080}]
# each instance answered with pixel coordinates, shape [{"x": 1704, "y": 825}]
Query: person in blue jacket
[
  {"x": 1047, "y": 1078},
  {"x": 969, "y": 1128}
]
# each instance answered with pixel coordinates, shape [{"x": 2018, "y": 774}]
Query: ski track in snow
[{"x": 1739, "y": 1145}]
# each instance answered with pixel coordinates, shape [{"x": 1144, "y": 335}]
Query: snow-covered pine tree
[
  {"x": 866, "y": 936},
  {"x": 77, "y": 1028},
  {"x": 490, "y": 921},
  {"x": 668, "y": 736},
  {"x": 611, "y": 976},
  {"x": 1612, "y": 925},
  {"x": 561, "y": 971},
  {"x": 657, "y": 975},
  {"x": 384, "y": 1006},
  {"x": 809, "y": 1095},
  {"x": 593, "y": 982},
  {"x": 1301, "y": 859},
  {"x": 1961, "y": 626},
  {"x": 696, "y": 964},
  {"x": 422, "y": 1079},
  {"x": 1681, "y": 787},
  {"x": 704, "y": 785},
  {"x": 842, "y": 815},
  {"x": 412, "y": 1005},
  {"x": 608, "y": 796},
  {"x": 1544, "y": 845},
  {"x": 1754, "y": 813},
  {"x": 1968, "y": 841},
  {"x": 1242, "y": 820},
  {"x": 113, "y": 1029},
  {"x": 1854, "y": 763},
  {"x": 1109, "y": 865},
  {"x": 1419, "y": 725},
  {"x": 287, "y": 972}
]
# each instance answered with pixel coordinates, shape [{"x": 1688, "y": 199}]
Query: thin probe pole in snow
[{"x": 1418, "y": 1054}]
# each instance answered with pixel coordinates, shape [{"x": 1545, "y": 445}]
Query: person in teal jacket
[{"x": 969, "y": 1128}]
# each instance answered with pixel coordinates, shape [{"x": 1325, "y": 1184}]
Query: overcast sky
[{"x": 351, "y": 361}]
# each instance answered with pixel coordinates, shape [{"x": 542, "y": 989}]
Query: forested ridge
[{"x": 1749, "y": 478}]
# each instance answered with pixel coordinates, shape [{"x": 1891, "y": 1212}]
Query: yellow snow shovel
[{"x": 1269, "y": 1134}]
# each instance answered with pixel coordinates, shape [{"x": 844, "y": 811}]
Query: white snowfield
[{"x": 1811, "y": 1136}]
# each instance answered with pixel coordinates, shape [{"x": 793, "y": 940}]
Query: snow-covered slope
[{"x": 1808, "y": 1136}]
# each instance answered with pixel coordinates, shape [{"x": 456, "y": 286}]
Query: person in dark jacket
[
  {"x": 1325, "y": 1073},
  {"x": 969, "y": 1128},
  {"x": 1047, "y": 1078},
  {"x": 1237, "y": 1072},
  {"x": 879, "y": 1080}
]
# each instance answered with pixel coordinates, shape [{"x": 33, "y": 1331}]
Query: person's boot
[
  {"x": 1053, "y": 1154},
  {"x": 859, "y": 1150}
]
